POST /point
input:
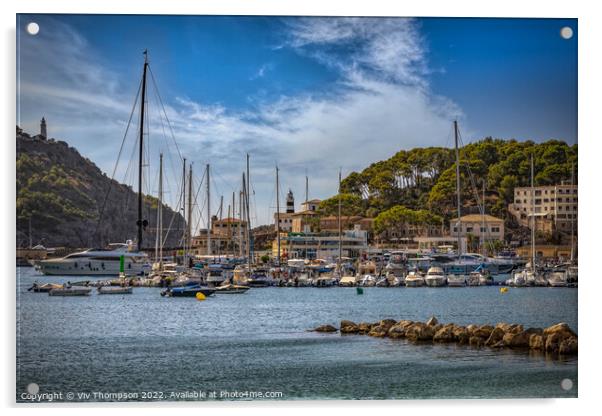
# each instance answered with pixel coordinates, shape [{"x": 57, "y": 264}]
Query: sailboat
[
  {"x": 454, "y": 279},
  {"x": 529, "y": 276}
]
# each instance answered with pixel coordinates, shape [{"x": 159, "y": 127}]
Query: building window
[
  {"x": 469, "y": 229},
  {"x": 495, "y": 229}
]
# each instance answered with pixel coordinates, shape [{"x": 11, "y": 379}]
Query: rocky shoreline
[{"x": 557, "y": 339}]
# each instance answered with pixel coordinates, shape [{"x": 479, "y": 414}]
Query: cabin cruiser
[
  {"x": 557, "y": 279},
  {"x": 326, "y": 281},
  {"x": 414, "y": 279},
  {"x": 367, "y": 281},
  {"x": 435, "y": 277},
  {"x": 456, "y": 280},
  {"x": 215, "y": 275},
  {"x": 98, "y": 262},
  {"x": 260, "y": 278}
]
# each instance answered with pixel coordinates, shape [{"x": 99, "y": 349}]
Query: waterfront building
[
  {"x": 554, "y": 207},
  {"x": 304, "y": 222},
  {"x": 286, "y": 221},
  {"x": 483, "y": 227},
  {"x": 546, "y": 251},
  {"x": 311, "y": 205},
  {"x": 225, "y": 238},
  {"x": 322, "y": 245},
  {"x": 331, "y": 223}
]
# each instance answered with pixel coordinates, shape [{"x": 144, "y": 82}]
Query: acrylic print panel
[{"x": 282, "y": 208}]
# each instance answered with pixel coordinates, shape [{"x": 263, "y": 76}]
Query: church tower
[
  {"x": 43, "y": 128},
  {"x": 290, "y": 202}
]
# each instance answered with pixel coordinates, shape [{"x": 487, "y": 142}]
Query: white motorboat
[
  {"x": 98, "y": 262},
  {"x": 435, "y": 277},
  {"x": 414, "y": 279},
  {"x": 456, "y": 280},
  {"x": 367, "y": 281},
  {"x": 558, "y": 279}
]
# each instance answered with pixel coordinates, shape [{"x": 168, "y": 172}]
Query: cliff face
[{"x": 61, "y": 194}]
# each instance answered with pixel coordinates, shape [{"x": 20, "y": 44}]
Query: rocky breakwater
[{"x": 557, "y": 339}]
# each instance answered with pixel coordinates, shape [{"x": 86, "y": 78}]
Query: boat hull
[{"x": 70, "y": 292}]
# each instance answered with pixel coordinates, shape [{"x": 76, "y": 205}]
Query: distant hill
[{"x": 61, "y": 193}]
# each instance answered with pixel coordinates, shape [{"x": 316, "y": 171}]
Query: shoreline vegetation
[{"x": 557, "y": 340}]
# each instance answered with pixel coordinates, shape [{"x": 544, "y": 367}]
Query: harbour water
[{"x": 258, "y": 342}]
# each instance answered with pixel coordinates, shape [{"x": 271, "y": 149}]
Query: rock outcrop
[{"x": 557, "y": 339}]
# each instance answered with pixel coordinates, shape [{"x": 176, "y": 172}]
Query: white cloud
[{"x": 381, "y": 103}]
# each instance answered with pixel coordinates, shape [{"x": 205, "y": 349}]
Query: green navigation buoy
[
  {"x": 359, "y": 290},
  {"x": 121, "y": 264}
]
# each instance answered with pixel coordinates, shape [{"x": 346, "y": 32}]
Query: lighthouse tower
[
  {"x": 43, "y": 128},
  {"x": 290, "y": 202}
]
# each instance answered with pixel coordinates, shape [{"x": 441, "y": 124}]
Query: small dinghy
[
  {"x": 70, "y": 291},
  {"x": 115, "y": 290},
  {"x": 187, "y": 291},
  {"x": 46, "y": 287},
  {"x": 230, "y": 289}
]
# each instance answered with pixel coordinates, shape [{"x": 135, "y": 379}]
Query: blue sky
[{"x": 311, "y": 94}]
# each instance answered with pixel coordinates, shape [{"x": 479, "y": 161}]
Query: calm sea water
[{"x": 258, "y": 342}]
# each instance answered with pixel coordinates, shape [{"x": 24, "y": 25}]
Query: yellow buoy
[
  {"x": 200, "y": 296},
  {"x": 503, "y": 289}
]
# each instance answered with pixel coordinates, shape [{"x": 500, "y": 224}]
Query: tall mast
[
  {"x": 231, "y": 222},
  {"x": 572, "y": 217},
  {"x": 208, "y": 212},
  {"x": 340, "y": 228},
  {"x": 532, "y": 218},
  {"x": 240, "y": 220},
  {"x": 483, "y": 222},
  {"x": 306, "y": 189},
  {"x": 189, "y": 233},
  {"x": 278, "y": 214},
  {"x": 248, "y": 210},
  {"x": 184, "y": 226},
  {"x": 246, "y": 207},
  {"x": 159, "y": 236},
  {"x": 141, "y": 151},
  {"x": 161, "y": 211},
  {"x": 459, "y": 223}
]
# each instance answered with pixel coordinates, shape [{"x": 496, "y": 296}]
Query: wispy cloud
[{"x": 380, "y": 103}]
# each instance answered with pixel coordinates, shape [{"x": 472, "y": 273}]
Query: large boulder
[
  {"x": 517, "y": 340},
  {"x": 461, "y": 334},
  {"x": 496, "y": 336},
  {"x": 325, "y": 328},
  {"x": 536, "y": 342},
  {"x": 445, "y": 334},
  {"x": 471, "y": 328},
  {"x": 379, "y": 331},
  {"x": 364, "y": 327},
  {"x": 349, "y": 327},
  {"x": 420, "y": 331},
  {"x": 568, "y": 346},
  {"x": 484, "y": 331},
  {"x": 562, "y": 329},
  {"x": 476, "y": 341},
  {"x": 399, "y": 329},
  {"x": 432, "y": 321},
  {"x": 387, "y": 323}
]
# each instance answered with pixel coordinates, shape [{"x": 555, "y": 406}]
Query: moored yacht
[
  {"x": 98, "y": 262},
  {"x": 435, "y": 277},
  {"x": 414, "y": 279},
  {"x": 456, "y": 280}
]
